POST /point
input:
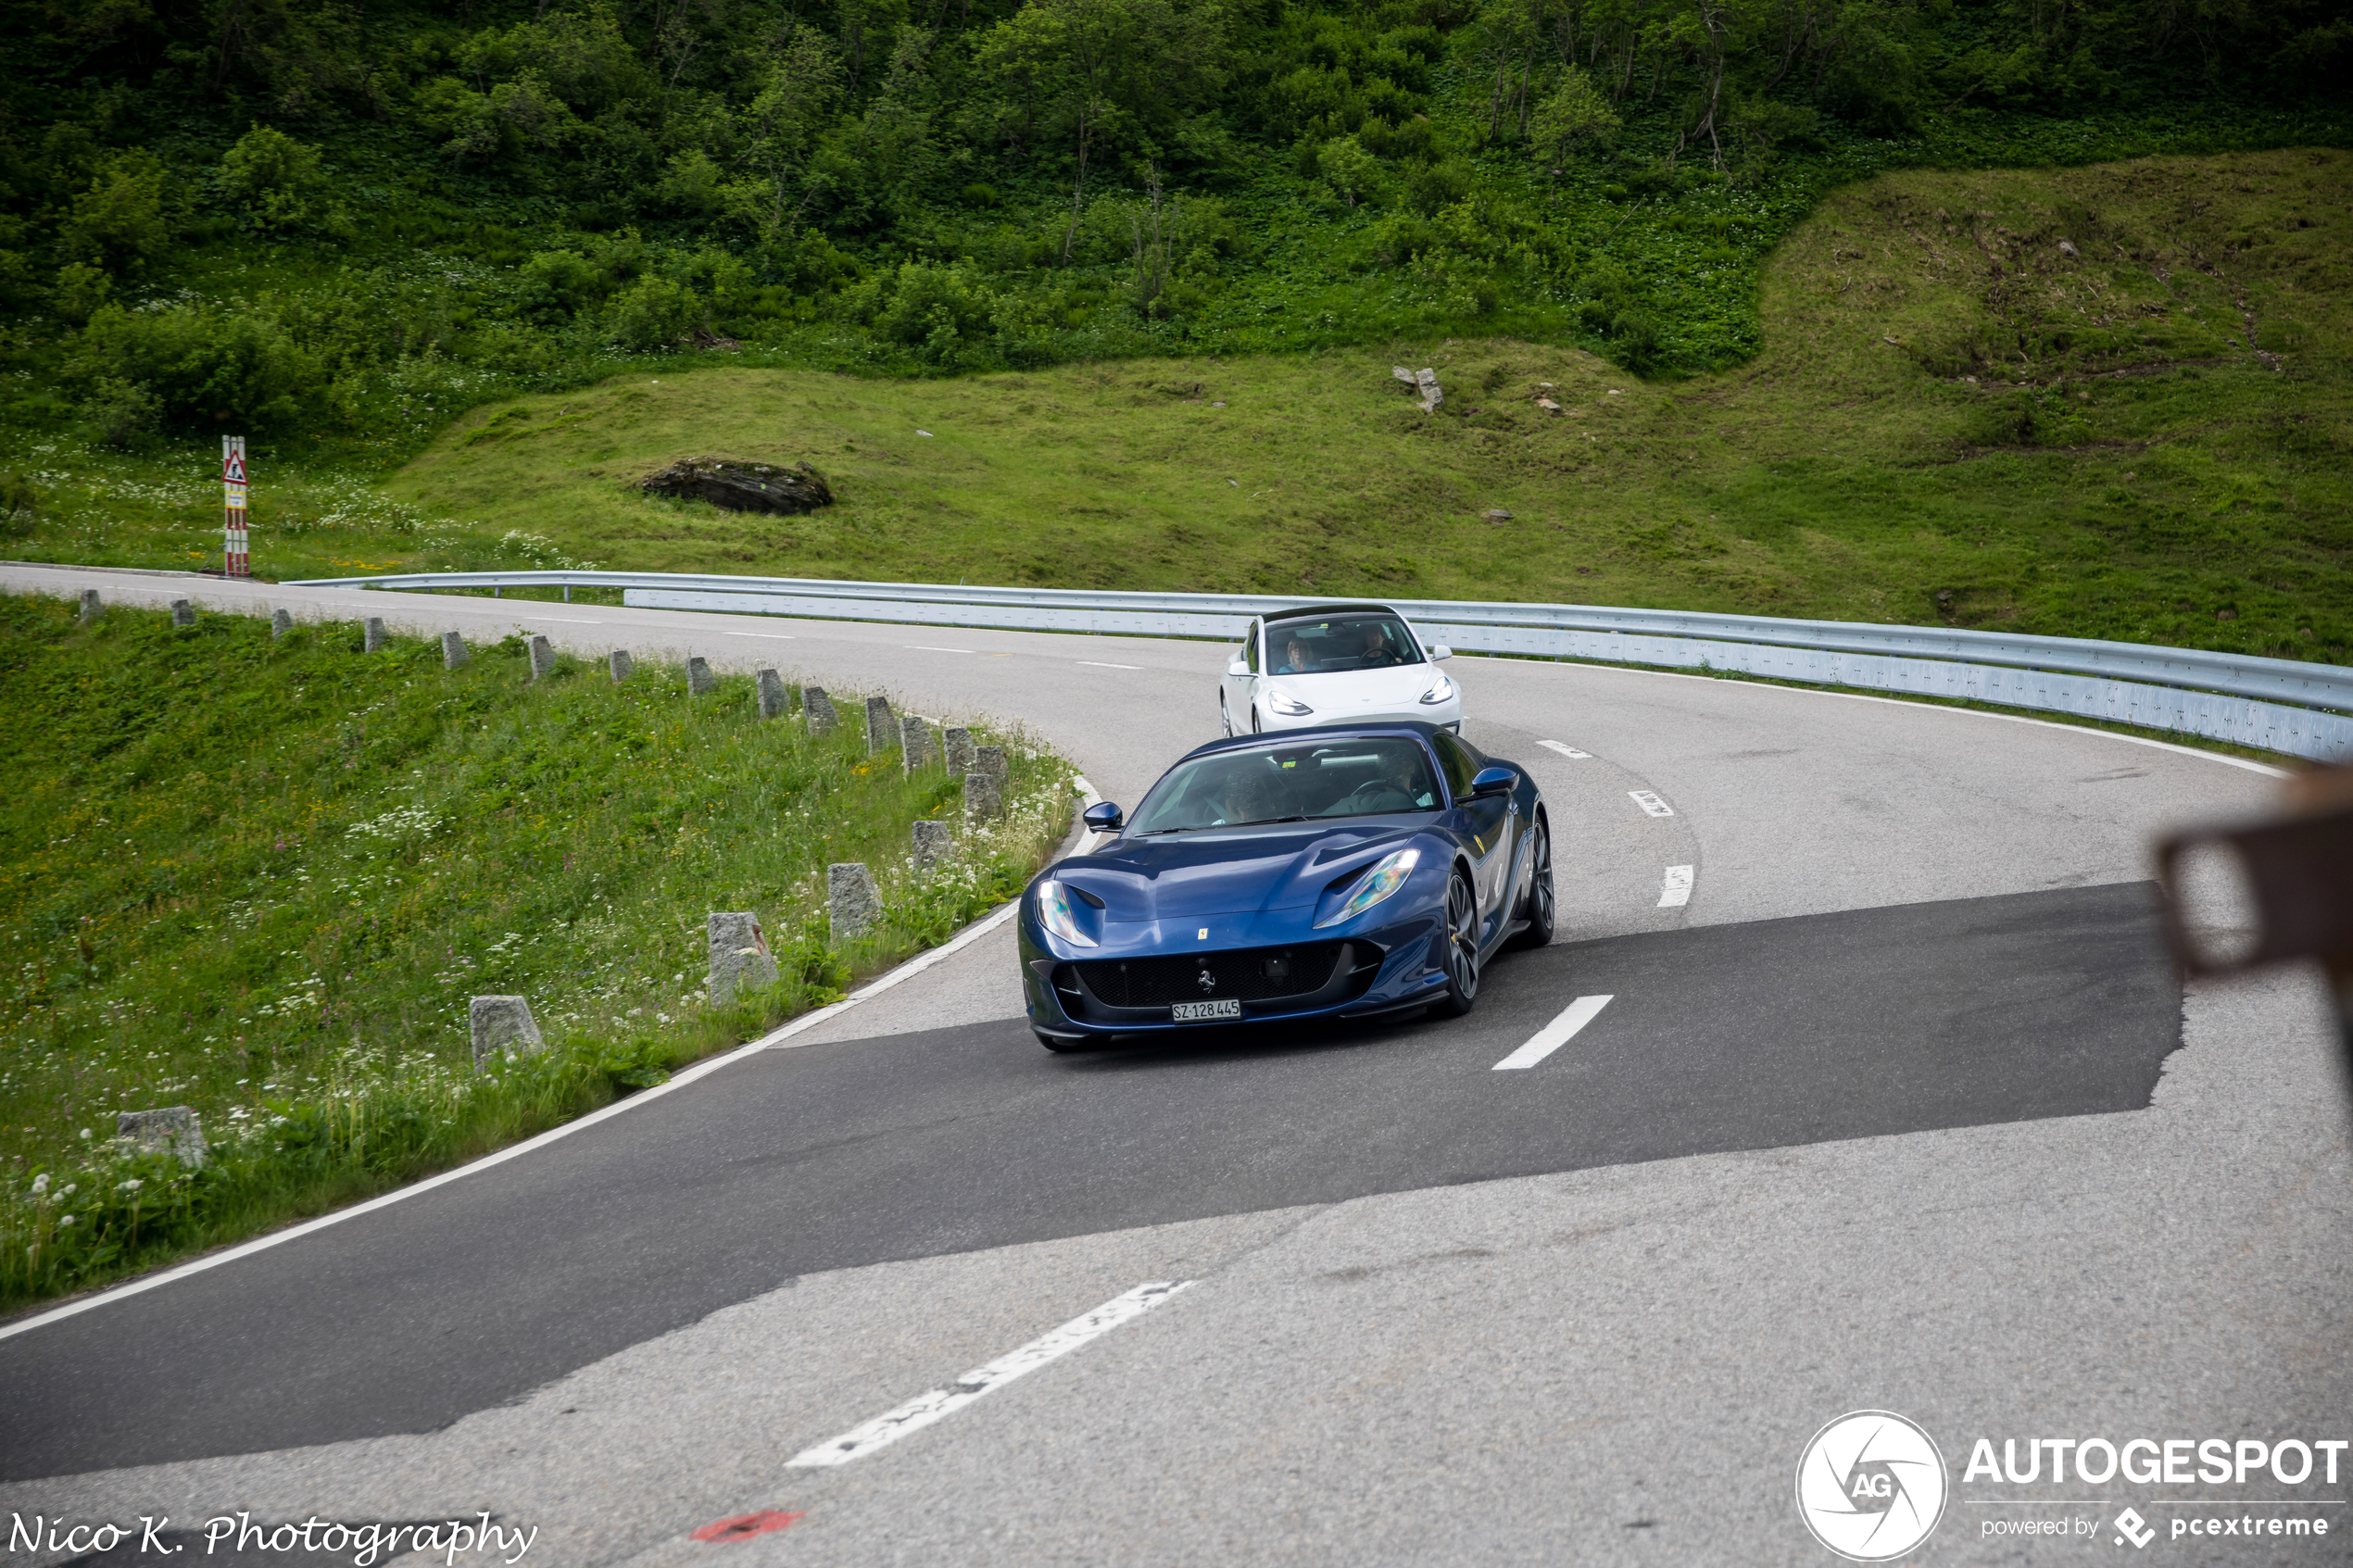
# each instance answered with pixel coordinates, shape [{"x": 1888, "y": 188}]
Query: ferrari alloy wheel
[
  {"x": 1462, "y": 949},
  {"x": 1539, "y": 909}
]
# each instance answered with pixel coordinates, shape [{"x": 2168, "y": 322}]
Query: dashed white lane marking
[
  {"x": 925, "y": 1408},
  {"x": 1101, "y": 665},
  {"x": 1555, "y": 1035},
  {"x": 1649, "y": 801},
  {"x": 773, "y": 636},
  {"x": 1676, "y": 891},
  {"x": 927, "y": 647},
  {"x": 1565, "y": 750},
  {"x": 562, "y": 619}
]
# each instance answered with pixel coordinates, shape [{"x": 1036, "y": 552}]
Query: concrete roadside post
[
  {"x": 89, "y": 606},
  {"x": 281, "y": 623},
  {"x": 882, "y": 729},
  {"x": 453, "y": 650},
  {"x": 701, "y": 682},
  {"x": 851, "y": 897},
  {"x": 935, "y": 842},
  {"x": 371, "y": 635},
  {"x": 621, "y": 665},
  {"x": 503, "y": 1024},
  {"x": 182, "y": 613},
  {"x": 914, "y": 742},
  {"x": 819, "y": 710},
  {"x": 983, "y": 800},
  {"x": 543, "y": 657},
  {"x": 173, "y": 1130},
  {"x": 957, "y": 742},
  {"x": 775, "y": 701},
  {"x": 740, "y": 956},
  {"x": 991, "y": 761}
]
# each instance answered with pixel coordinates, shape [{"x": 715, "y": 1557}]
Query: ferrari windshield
[
  {"x": 1327, "y": 644},
  {"x": 1295, "y": 782}
]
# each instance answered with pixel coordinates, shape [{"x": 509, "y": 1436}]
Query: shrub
[
  {"x": 205, "y": 364},
  {"x": 125, "y": 216},
  {"x": 272, "y": 180},
  {"x": 654, "y": 313}
]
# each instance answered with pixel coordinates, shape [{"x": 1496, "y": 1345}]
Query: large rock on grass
[{"x": 742, "y": 487}]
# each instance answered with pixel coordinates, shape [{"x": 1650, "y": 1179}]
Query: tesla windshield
[
  {"x": 1320, "y": 645},
  {"x": 1284, "y": 784}
]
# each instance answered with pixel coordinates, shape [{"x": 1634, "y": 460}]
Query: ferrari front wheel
[
  {"x": 1539, "y": 912},
  {"x": 1462, "y": 949}
]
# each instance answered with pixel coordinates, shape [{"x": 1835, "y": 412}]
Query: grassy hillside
[{"x": 262, "y": 879}]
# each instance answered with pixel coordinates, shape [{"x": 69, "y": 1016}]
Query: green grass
[
  {"x": 263, "y": 879},
  {"x": 1949, "y": 420}
]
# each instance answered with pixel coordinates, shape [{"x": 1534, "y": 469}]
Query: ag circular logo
[{"x": 1870, "y": 1485}]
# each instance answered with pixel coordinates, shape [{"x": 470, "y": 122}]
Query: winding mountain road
[{"x": 1894, "y": 1103}]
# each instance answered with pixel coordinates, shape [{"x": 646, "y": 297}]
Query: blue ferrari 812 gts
[{"x": 1341, "y": 872}]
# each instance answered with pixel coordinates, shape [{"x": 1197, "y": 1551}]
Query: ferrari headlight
[
  {"x": 1055, "y": 914},
  {"x": 1443, "y": 692},
  {"x": 1387, "y": 876},
  {"x": 1286, "y": 705}
]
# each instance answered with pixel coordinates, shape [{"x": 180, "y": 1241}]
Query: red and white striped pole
[{"x": 233, "y": 485}]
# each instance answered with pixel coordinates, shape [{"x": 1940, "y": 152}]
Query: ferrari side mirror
[
  {"x": 1104, "y": 816},
  {"x": 1492, "y": 781}
]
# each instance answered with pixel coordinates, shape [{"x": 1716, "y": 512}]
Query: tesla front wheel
[
  {"x": 1224, "y": 715},
  {"x": 1462, "y": 951},
  {"x": 1539, "y": 912}
]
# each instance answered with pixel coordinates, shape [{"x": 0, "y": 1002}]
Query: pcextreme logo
[{"x": 1871, "y": 1486}]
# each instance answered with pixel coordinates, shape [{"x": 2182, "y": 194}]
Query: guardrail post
[
  {"x": 453, "y": 650},
  {"x": 543, "y": 657},
  {"x": 957, "y": 742},
  {"x": 774, "y": 700},
  {"x": 882, "y": 730},
  {"x": 500, "y": 1025},
  {"x": 281, "y": 623},
  {"x": 621, "y": 665},
  {"x": 371, "y": 635},
  {"x": 851, "y": 897},
  {"x": 740, "y": 956},
  {"x": 935, "y": 842},
  {"x": 701, "y": 682},
  {"x": 819, "y": 710}
]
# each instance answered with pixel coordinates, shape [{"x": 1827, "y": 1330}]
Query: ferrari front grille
[{"x": 1250, "y": 975}]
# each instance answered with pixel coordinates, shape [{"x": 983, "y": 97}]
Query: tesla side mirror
[
  {"x": 1438, "y": 651},
  {"x": 1492, "y": 781},
  {"x": 1104, "y": 816},
  {"x": 1238, "y": 668}
]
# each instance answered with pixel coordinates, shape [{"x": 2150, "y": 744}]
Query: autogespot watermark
[
  {"x": 477, "y": 1540},
  {"x": 1871, "y": 1487}
]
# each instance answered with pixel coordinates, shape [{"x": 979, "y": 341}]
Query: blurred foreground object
[{"x": 2297, "y": 870}]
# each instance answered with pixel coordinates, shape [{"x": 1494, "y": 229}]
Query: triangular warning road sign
[{"x": 232, "y": 466}]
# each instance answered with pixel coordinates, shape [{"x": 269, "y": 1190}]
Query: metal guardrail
[{"x": 2276, "y": 704}]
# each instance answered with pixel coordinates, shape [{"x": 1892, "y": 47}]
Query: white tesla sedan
[{"x": 1335, "y": 664}]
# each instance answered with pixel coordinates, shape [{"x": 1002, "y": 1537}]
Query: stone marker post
[
  {"x": 89, "y": 606},
  {"x": 935, "y": 842},
  {"x": 501, "y": 1024},
  {"x": 990, "y": 759},
  {"x": 819, "y": 707},
  {"x": 882, "y": 729},
  {"x": 914, "y": 742},
  {"x": 453, "y": 650},
  {"x": 182, "y": 613},
  {"x": 740, "y": 956},
  {"x": 173, "y": 1130},
  {"x": 854, "y": 900},
  {"x": 621, "y": 665},
  {"x": 984, "y": 801},
  {"x": 371, "y": 635},
  {"x": 281, "y": 623},
  {"x": 958, "y": 743},
  {"x": 701, "y": 682},
  {"x": 542, "y": 659},
  {"x": 775, "y": 701}
]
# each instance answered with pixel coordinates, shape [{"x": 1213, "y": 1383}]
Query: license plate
[{"x": 1205, "y": 1012}]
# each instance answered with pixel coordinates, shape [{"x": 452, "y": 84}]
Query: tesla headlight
[
  {"x": 1387, "y": 876},
  {"x": 1442, "y": 692},
  {"x": 1286, "y": 705},
  {"x": 1055, "y": 914}
]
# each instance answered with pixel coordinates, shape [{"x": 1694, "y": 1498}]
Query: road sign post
[{"x": 235, "y": 563}]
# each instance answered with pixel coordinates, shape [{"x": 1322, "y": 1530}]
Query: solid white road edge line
[
  {"x": 1565, "y": 750},
  {"x": 927, "y": 647},
  {"x": 1676, "y": 891},
  {"x": 1648, "y": 800},
  {"x": 1555, "y": 1035},
  {"x": 925, "y": 1408},
  {"x": 774, "y": 1039}
]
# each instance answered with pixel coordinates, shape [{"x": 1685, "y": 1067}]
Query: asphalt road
[{"x": 1901, "y": 1109}]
